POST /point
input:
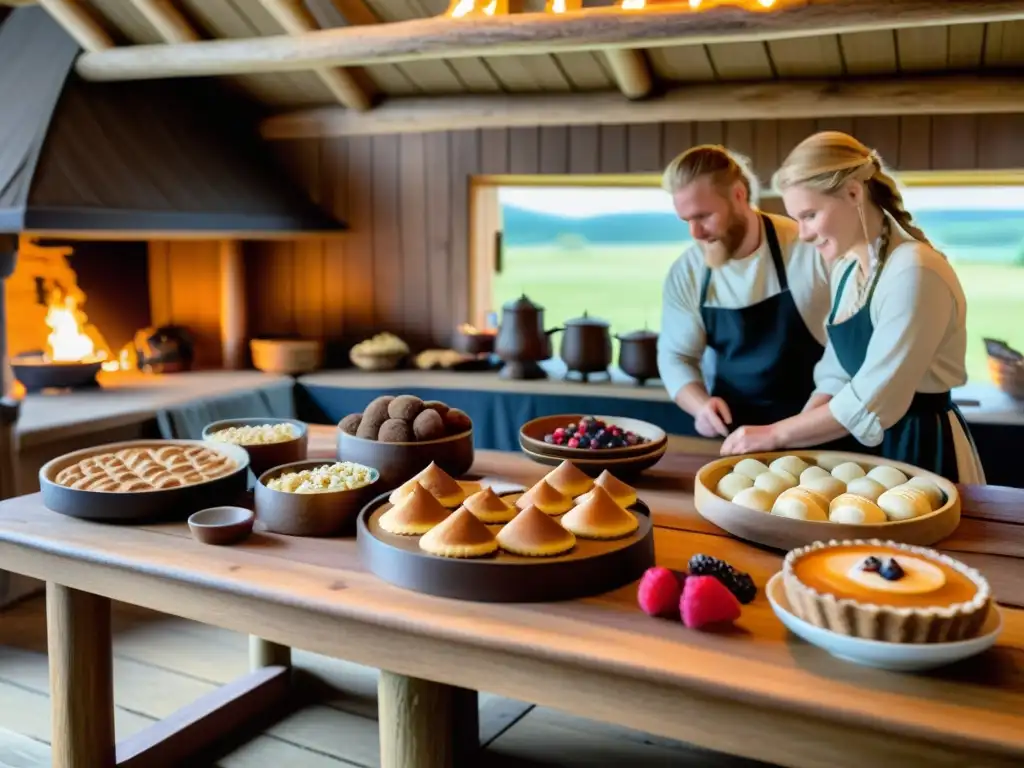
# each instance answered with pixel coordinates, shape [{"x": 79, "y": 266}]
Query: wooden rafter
[
  {"x": 631, "y": 71},
  {"x": 732, "y": 101},
  {"x": 296, "y": 19},
  {"x": 167, "y": 20},
  {"x": 597, "y": 29},
  {"x": 79, "y": 23}
]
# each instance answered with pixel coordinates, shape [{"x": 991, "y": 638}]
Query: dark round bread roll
[
  {"x": 350, "y": 424},
  {"x": 428, "y": 425},
  {"x": 457, "y": 421},
  {"x": 436, "y": 405},
  {"x": 377, "y": 410},
  {"x": 405, "y": 407},
  {"x": 395, "y": 431}
]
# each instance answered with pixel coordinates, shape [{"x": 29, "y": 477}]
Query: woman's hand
[{"x": 752, "y": 439}]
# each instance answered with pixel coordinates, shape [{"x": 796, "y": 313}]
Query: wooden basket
[
  {"x": 1009, "y": 377},
  {"x": 386, "y": 361},
  {"x": 785, "y": 533}
]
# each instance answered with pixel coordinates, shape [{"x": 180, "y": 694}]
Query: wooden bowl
[
  {"x": 385, "y": 361},
  {"x": 397, "y": 462},
  {"x": 785, "y": 533},
  {"x": 531, "y": 437},
  {"x": 263, "y": 456},
  {"x": 286, "y": 356},
  {"x": 626, "y": 466},
  {"x": 327, "y": 513},
  {"x": 221, "y": 525}
]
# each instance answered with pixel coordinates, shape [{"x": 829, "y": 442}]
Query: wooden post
[
  {"x": 81, "y": 678},
  {"x": 263, "y": 653},
  {"x": 8, "y": 406},
  {"x": 424, "y": 724},
  {"x": 232, "y": 305}
]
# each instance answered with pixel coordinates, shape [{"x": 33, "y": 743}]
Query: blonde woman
[{"x": 897, "y": 327}]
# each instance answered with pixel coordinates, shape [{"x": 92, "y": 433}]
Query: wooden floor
[{"x": 162, "y": 663}]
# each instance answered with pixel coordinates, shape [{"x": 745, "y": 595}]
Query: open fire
[{"x": 72, "y": 338}]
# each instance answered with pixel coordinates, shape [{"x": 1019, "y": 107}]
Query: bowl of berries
[{"x": 593, "y": 443}]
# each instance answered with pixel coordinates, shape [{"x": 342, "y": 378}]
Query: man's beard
[{"x": 723, "y": 249}]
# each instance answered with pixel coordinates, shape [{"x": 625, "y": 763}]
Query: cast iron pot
[
  {"x": 522, "y": 340},
  {"x": 638, "y": 355},
  {"x": 586, "y": 345}
]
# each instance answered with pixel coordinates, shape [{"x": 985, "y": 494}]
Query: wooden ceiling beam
[
  {"x": 167, "y": 20},
  {"x": 631, "y": 71},
  {"x": 296, "y": 19},
  {"x": 596, "y": 29},
  {"x": 722, "y": 101},
  {"x": 80, "y": 24}
]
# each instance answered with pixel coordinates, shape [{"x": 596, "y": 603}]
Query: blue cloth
[{"x": 187, "y": 420}]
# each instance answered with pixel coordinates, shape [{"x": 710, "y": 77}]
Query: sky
[{"x": 580, "y": 202}]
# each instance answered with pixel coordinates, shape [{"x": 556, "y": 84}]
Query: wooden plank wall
[{"x": 404, "y": 266}]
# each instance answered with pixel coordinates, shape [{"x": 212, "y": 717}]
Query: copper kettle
[{"x": 522, "y": 340}]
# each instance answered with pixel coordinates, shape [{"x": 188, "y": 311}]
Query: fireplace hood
[{"x": 147, "y": 160}]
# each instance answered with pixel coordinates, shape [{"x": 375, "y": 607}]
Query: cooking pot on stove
[
  {"x": 638, "y": 355},
  {"x": 167, "y": 349},
  {"x": 586, "y": 345}
]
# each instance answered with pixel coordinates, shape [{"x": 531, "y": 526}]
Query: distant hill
[{"x": 990, "y": 229}]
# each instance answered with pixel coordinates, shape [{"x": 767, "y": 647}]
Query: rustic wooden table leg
[
  {"x": 263, "y": 653},
  {"x": 81, "y": 678},
  {"x": 424, "y": 724}
]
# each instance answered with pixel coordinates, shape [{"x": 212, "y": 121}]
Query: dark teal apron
[
  {"x": 765, "y": 356},
  {"x": 924, "y": 436}
]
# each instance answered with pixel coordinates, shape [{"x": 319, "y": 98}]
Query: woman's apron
[
  {"x": 765, "y": 356},
  {"x": 924, "y": 436}
]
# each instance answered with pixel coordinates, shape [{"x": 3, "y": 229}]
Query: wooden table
[{"x": 753, "y": 691}]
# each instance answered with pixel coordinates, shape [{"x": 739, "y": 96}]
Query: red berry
[
  {"x": 559, "y": 439},
  {"x": 659, "y": 592},
  {"x": 593, "y": 445},
  {"x": 706, "y": 601},
  {"x": 559, "y": 431},
  {"x": 573, "y": 442}
]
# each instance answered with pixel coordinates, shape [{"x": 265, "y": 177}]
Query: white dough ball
[
  {"x": 866, "y": 487},
  {"x": 812, "y": 472},
  {"x": 904, "y": 503},
  {"x": 936, "y": 497},
  {"x": 829, "y": 462},
  {"x": 826, "y": 485},
  {"x": 775, "y": 482},
  {"x": 750, "y": 467},
  {"x": 801, "y": 504},
  {"x": 755, "y": 498},
  {"x": 732, "y": 484},
  {"x": 848, "y": 471},
  {"x": 792, "y": 465},
  {"x": 855, "y": 510},
  {"x": 888, "y": 476}
]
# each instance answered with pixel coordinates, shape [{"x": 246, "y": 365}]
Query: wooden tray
[
  {"x": 785, "y": 533},
  {"x": 590, "y": 568}
]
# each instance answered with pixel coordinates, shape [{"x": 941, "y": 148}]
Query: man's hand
[
  {"x": 713, "y": 418},
  {"x": 751, "y": 439}
]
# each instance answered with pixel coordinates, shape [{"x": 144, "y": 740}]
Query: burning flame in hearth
[
  {"x": 639, "y": 5},
  {"x": 462, "y": 8},
  {"x": 72, "y": 338},
  {"x": 563, "y": 6}
]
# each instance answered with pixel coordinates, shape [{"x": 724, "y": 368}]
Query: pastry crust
[{"x": 893, "y": 624}]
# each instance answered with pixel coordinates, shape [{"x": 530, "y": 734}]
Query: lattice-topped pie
[{"x": 146, "y": 468}]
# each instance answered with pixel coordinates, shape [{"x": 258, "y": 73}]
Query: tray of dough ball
[{"x": 791, "y": 499}]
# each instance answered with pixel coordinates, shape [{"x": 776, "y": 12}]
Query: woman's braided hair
[{"x": 827, "y": 160}]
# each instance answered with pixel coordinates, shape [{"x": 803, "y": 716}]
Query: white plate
[{"x": 898, "y": 657}]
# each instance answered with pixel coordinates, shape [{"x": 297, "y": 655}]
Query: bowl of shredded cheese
[
  {"x": 315, "y": 497},
  {"x": 269, "y": 442}
]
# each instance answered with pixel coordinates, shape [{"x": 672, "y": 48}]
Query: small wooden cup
[{"x": 221, "y": 525}]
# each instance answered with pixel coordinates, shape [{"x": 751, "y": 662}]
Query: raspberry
[
  {"x": 659, "y": 592},
  {"x": 707, "y": 601}
]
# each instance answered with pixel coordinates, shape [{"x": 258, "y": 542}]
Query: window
[{"x": 606, "y": 250}]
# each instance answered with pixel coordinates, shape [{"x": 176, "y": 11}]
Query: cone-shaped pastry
[
  {"x": 460, "y": 534},
  {"x": 535, "y": 534},
  {"x": 438, "y": 482},
  {"x": 545, "y": 498},
  {"x": 414, "y": 513},
  {"x": 599, "y": 517},
  {"x": 489, "y": 507},
  {"x": 569, "y": 480},
  {"x": 623, "y": 494}
]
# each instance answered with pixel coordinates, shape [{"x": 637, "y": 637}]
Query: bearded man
[{"x": 748, "y": 289}]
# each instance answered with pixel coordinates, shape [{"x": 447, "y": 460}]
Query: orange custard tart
[{"x": 883, "y": 590}]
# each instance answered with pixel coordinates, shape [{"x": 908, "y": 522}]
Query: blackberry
[
  {"x": 871, "y": 565},
  {"x": 740, "y": 584},
  {"x": 891, "y": 571}
]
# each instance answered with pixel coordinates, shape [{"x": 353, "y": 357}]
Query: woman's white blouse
[{"x": 919, "y": 341}]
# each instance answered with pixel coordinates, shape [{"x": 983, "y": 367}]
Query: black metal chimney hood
[{"x": 147, "y": 159}]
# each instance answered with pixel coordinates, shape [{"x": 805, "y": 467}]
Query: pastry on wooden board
[
  {"x": 826, "y": 485},
  {"x": 533, "y": 533},
  {"x": 489, "y": 507},
  {"x": 442, "y": 485},
  {"x": 793, "y": 465},
  {"x": 775, "y": 481},
  {"x": 624, "y": 495},
  {"x": 888, "y": 476},
  {"x": 801, "y": 504},
  {"x": 757, "y": 499},
  {"x": 866, "y": 487},
  {"x": 855, "y": 510},
  {"x": 750, "y": 467},
  {"x": 599, "y": 517},
  {"x": 569, "y": 480},
  {"x": 543, "y": 496},
  {"x": 414, "y": 514},
  {"x": 904, "y": 502},
  {"x": 460, "y": 535},
  {"x": 847, "y": 471},
  {"x": 731, "y": 484}
]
